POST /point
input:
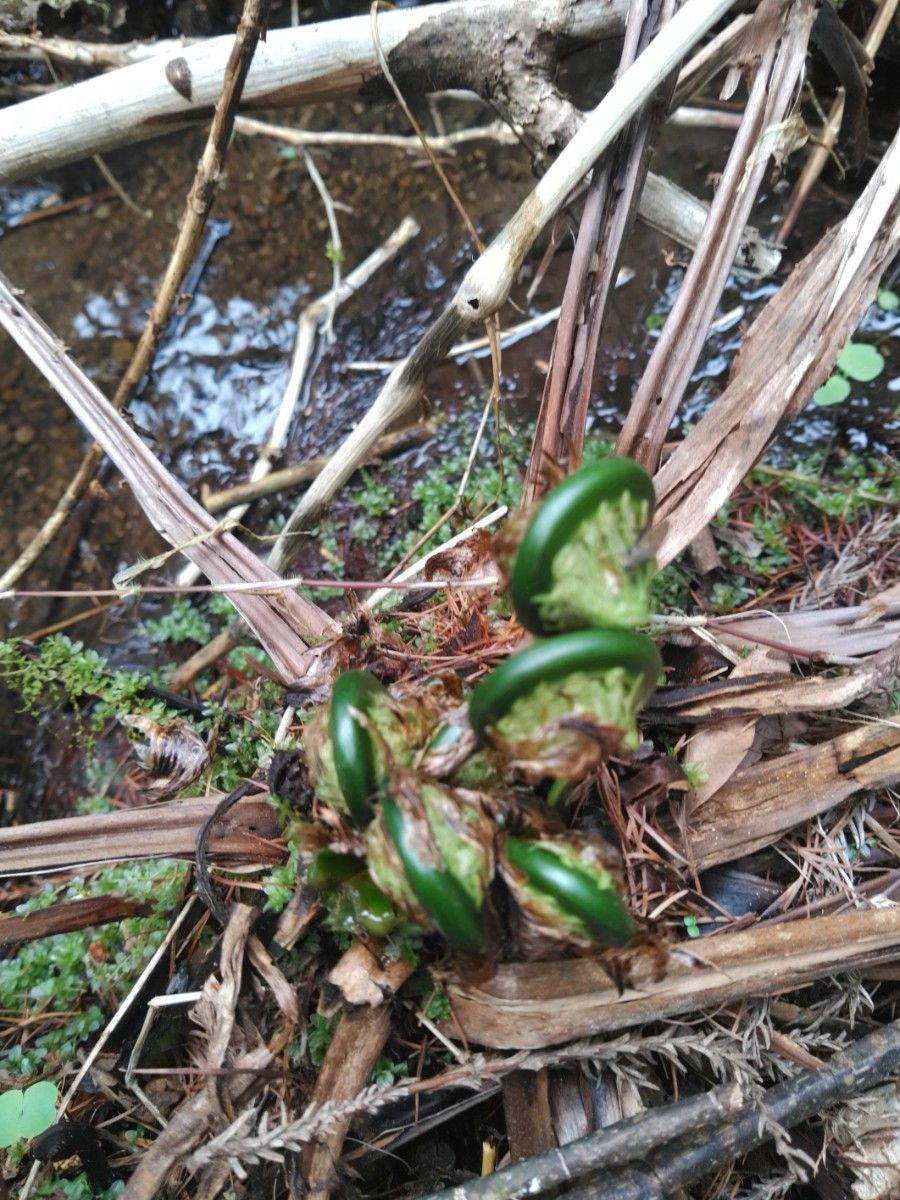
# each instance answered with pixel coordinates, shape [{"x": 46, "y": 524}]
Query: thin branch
[
  {"x": 335, "y": 248},
  {"x": 624, "y": 1142},
  {"x": 445, "y": 144}
]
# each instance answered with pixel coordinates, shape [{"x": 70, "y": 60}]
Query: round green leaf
[
  {"x": 832, "y": 391},
  {"x": 859, "y": 360},
  {"x": 888, "y": 300},
  {"x": 26, "y": 1114},
  {"x": 38, "y": 1108},
  {"x": 10, "y": 1117}
]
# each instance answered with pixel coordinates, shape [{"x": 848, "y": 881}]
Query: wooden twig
[
  {"x": 849, "y": 1073},
  {"x": 631, "y": 1140},
  {"x": 335, "y": 245},
  {"x": 678, "y": 214},
  {"x": 662, "y": 204},
  {"x": 336, "y": 139},
  {"x": 203, "y": 190},
  {"x": 97, "y": 55},
  {"x": 67, "y": 916}
]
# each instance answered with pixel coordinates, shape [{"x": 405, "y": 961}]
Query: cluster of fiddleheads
[{"x": 442, "y": 832}]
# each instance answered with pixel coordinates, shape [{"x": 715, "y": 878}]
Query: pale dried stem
[
  {"x": 305, "y": 65},
  {"x": 445, "y": 144},
  {"x": 336, "y": 246},
  {"x": 608, "y": 213},
  {"x": 200, "y": 198}
]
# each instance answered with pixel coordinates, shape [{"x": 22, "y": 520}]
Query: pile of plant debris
[{"x": 561, "y": 855}]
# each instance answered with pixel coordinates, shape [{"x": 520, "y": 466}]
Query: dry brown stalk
[
  {"x": 809, "y": 320},
  {"x": 224, "y": 996},
  {"x": 770, "y": 693},
  {"x": 358, "y": 1041},
  {"x": 606, "y": 218},
  {"x": 762, "y": 802},
  {"x": 72, "y": 914},
  {"x": 532, "y": 1005},
  {"x": 250, "y": 832},
  {"x": 777, "y": 40}
]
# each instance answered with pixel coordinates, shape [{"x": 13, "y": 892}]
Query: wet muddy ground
[{"x": 216, "y": 382}]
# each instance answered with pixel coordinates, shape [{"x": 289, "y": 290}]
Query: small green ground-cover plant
[
  {"x": 68, "y": 984},
  {"x": 858, "y": 362},
  {"x": 777, "y": 502},
  {"x": 63, "y": 672},
  {"x": 432, "y": 494}
]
